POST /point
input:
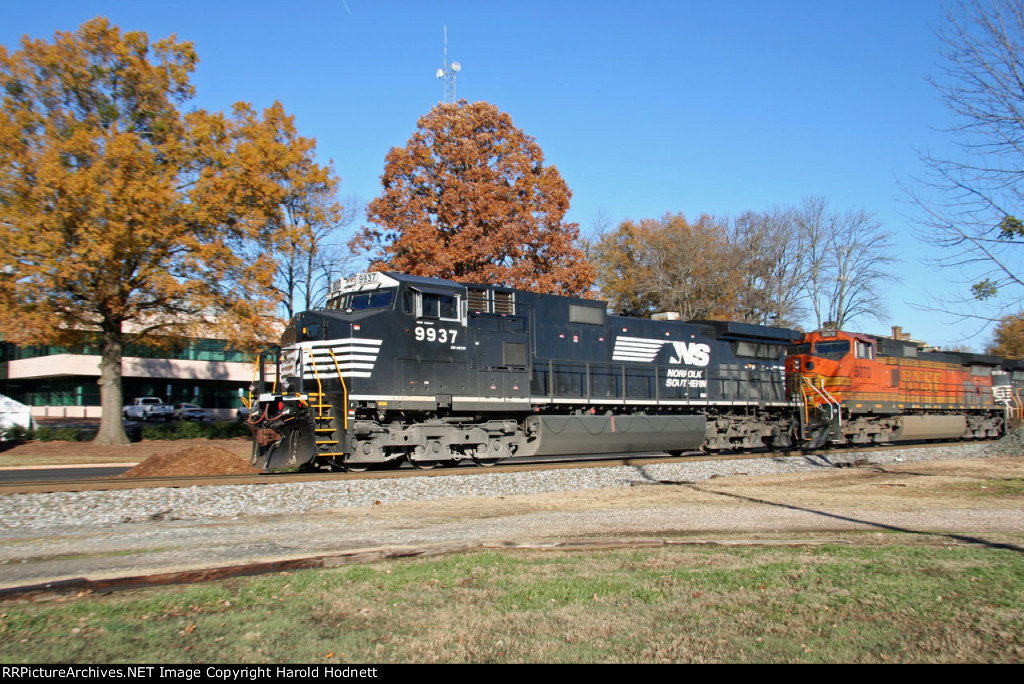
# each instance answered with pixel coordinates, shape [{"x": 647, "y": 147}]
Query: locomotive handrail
[
  {"x": 344, "y": 389},
  {"x": 319, "y": 386},
  {"x": 258, "y": 372},
  {"x": 320, "y": 397},
  {"x": 833, "y": 403}
]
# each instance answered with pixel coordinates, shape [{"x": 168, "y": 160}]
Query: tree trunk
[{"x": 111, "y": 427}]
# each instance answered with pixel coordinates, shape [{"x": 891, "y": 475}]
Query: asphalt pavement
[{"x": 60, "y": 472}]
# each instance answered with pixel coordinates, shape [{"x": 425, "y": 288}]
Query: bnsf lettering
[
  {"x": 933, "y": 377},
  {"x": 926, "y": 380},
  {"x": 695, "y": 354}
]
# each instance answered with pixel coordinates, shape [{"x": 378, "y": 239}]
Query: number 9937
[{"x": 439, "y": 335}]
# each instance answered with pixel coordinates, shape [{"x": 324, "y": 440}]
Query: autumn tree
[
  {"x": 972, "y": 201},
  {"x": 772, "y": 267},
  {"x": 624, "y": 263},
  {"x": 469, "y": 198},
  {"x": 669, "y": 264},
  {"x": 121, "y": 214},
  {"x": 768, "y": 268},
  {"x": 1008, "y": 339}
]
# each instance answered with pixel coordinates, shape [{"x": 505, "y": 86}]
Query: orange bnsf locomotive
[{"x": 860, "y": 389}]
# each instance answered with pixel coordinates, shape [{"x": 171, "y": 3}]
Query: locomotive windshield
[
  {"x": 832, "y": 350},
  {"x": 362, "y": 301}
]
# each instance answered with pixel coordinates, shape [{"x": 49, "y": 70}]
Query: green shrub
[
  {"x": 227, "y": 429},
  {"x": 15, "y": 433},
  {"x": 43, "y": 433},
  {"x": 68, "y": 434},
  {"x": 189, "y": 430},
  {"x": 223, "y": 429},
  {"x": 158, "y": 431}
]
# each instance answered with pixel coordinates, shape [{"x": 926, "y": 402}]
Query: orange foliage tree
[
  {"x": 469, "y": 198},
  {"x": 1008, "y": 339},
  {"x": 119, "y": 212},
  {"x": 670, "y": 264}
]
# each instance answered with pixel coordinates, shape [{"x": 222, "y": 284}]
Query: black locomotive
[{"x": 432, "y": 371}]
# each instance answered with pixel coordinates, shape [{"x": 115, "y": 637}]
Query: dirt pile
[{"x": 196, "y": 460}]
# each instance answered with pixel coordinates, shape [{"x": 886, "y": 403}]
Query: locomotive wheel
[
  {"x": 425, "y": 465},
  {"x": 433, "y": 448},
  {"x": 489, "y": 454},
  {"x": 351, "y": 467}
]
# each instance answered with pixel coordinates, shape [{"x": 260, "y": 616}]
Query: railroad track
[{"x": 114, "y": 483}]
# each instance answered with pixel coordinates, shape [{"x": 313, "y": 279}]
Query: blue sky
[{"x": 645, "y": 107}]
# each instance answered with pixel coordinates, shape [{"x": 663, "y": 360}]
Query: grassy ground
[{"x": 887, "y": 602}]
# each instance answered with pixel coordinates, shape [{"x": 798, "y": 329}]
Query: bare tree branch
[{"x": 970, "y": 203}]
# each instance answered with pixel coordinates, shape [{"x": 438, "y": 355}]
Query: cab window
[
  {"x": 431, "y": 305},
  {"x": 439, "y": 306},
  {"x": 864, "y": 350}
]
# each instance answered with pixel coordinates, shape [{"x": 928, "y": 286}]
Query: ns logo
[{"x": 695, "y": 354}]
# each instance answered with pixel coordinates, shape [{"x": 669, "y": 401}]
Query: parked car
[
  {"x": 147, "y": 408},
  {"x": 185, "y": 411}
]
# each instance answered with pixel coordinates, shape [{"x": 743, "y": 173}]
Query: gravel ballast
[{"x": 118, "y": 507}]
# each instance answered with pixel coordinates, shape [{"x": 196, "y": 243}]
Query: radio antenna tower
[{"x": 448, "y": 71}]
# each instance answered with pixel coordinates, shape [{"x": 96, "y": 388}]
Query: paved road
[{"x": 51, "y": 473}]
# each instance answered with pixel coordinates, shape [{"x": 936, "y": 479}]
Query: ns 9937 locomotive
[{"x": 403, "y": 368}]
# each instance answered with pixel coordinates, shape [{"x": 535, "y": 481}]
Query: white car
[
  {"x": 147, "y": 408},
  {"x": 185, "y": 411}
]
